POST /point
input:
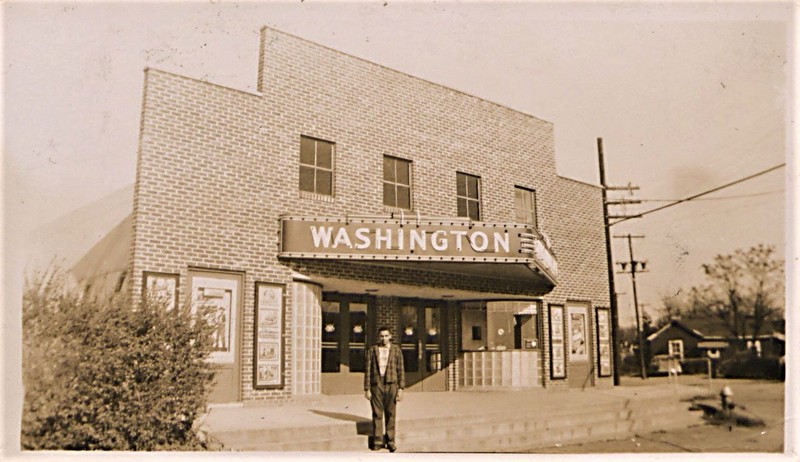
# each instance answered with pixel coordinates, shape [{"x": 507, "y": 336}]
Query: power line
[
  {"x": 741, "y": 180},
  {"x": 741, "y": 196}
]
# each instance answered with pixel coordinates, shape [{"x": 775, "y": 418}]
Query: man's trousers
[{"x": 384, "y": 405}]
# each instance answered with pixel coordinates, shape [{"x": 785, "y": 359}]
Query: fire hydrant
[{"x": 726, "y": 397}]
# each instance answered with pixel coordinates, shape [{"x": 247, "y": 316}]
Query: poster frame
[
  {"x": 602, "y": 371},
  {"x": 155, "y": 275},
  {"x": 559, "y": 341},
  {"x": 281, "y": 383}
]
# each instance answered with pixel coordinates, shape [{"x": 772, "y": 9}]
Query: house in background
[{"x": 705, "y": 337}]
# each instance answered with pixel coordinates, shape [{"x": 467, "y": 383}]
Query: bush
[
  {"x": 630, "y": 365},
  {"x": 746, "y": 365},
  {"x": 99, "y": 374},
  {"x": 696, "y": 366}
]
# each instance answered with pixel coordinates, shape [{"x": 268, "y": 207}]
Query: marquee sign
[{"x": 393, "y": 239}]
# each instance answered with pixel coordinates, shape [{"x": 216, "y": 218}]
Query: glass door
[
  {"x": 421, "y": 341},
  {"x": 346, "y": 332}
]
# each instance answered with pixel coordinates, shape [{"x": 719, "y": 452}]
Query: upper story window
[
  {"x": 316, "y": 166},
  {"x": 468, "y": 193},
  {"x": 525, "y": 206},
  {"x": 396, "y": 183}
]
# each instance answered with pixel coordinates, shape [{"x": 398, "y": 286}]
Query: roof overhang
[{"x": 712, "y": 344}]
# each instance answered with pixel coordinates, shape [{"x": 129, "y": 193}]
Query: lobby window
[
  {"x": 396, "y": 183},
  {"x": 525, "y": 206},
  {"x": 316, "y": 166},
  {"x": 468, "y": 195},
  {"x": 499, "y": 325}
]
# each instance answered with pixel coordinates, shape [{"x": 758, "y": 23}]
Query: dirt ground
[{"x": 763, "y": 398}]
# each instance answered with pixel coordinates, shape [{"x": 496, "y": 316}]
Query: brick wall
[{"x": 218, "y": 166}]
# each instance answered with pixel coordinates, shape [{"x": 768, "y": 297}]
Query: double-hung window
[
  {"x": 396, "y": 183},
  {"x": 468, "y": 193},
  {"x": 525, "y": 206},
  {"x": 316, "y": 166},
  {"x": 676, "y": 348}
]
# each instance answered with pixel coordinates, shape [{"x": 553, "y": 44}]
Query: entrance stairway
[{"x": 457, "y": 421}]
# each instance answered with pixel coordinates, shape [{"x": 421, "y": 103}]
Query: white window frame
[{"x": 671, "y": 345}]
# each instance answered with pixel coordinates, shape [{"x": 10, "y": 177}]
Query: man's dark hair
[{"x": 384, "y": 328}]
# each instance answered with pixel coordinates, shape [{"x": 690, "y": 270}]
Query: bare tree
[
  {"x": 744, "y": 290},
  {"x": 673, "y": 306}
]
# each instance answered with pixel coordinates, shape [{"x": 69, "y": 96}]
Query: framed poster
[
  {"x": 268, "y": 336},
  {"x": 558, "y": 363},
  {"x": 161, "y": 288},
  {"x": 578, "y": 338},
  {"x": 603, "y": 342}
]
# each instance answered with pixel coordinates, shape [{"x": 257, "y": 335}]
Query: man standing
[{"x": 384, "y": 380}]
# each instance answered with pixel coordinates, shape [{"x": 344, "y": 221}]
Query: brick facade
[{"x": 218, "y": 166}]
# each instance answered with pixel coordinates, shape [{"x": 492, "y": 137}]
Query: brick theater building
[{"x": 343, "y": 196}]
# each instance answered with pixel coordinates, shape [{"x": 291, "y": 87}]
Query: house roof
[
  {"x": 677, "y": 324},
  {"x": 713, "y": 344},
  {"x": 711, "y": 328},
  {"x": 102, "y": 266}
]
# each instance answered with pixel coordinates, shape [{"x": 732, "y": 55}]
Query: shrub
[
  {"x": 696, "y": 366},
  {"x": 630, "y": 365},
  {"x": 99, "y": 374},
  {"x": 746, "y": 365}
]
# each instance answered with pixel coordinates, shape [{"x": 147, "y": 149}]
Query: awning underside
[{"x": 456, "y": 280}]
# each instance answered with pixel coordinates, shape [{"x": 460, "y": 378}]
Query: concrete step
[
  {"x": 493, "y": 431},
  {"x": 239, "y": 439},
  {"x": 531, "y": 434}
]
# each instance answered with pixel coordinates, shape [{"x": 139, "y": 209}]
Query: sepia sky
[{"x": 686, "y": 97}]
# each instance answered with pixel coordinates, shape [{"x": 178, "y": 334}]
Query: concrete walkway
[{"x": 323, "y": 410}]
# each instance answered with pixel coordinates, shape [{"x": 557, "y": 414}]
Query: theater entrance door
[{"x": 422, "y": 341}]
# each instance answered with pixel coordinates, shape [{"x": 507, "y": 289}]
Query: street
[{"x": 762, "y": 398}]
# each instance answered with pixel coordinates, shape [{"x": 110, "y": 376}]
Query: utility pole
[
  {"x": 635, "y": 266},
  {"x": 609, "y": 258}
]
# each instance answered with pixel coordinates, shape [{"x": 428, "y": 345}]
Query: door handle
[{"x": 419, "y": 350}]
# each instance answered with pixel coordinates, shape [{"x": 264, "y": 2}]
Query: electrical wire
[
  {"x": 741, "y": 180},
  {"x": 741, "y": 196}
]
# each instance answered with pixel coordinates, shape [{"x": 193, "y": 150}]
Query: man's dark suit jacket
[{"x": 394, "y": 367}]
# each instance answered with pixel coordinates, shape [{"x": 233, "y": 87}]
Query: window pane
[
  {"x": 461, "y": 184},
  {"x": 330, "y": 322},
  {"x": 358, "y": 336},
  {"x": 472, "y": 187},
  {"x": 473, "y": 329},
  {"x": 330, "y": 360},
  {"x": 526, "y": 332},
  {"x": 330, "y": 337},
  {"x": 306, "y": 179},
  {"x": 324, "y": 182},
  {"x": 432, "y": 326},
  {"x": 404, "y": 197},
  {"x": 409, "y": 337},
  {"x": 306, "y": 151},
  {"x": 501, "y": 330},
  {"x": 324, "y": 154},
  {"x": 358, "y": 323},
  {"x": 357, "y": 359},
  {"x": 403, "y": 168},
  {"x": 474, "y": 210},
  {"x": 389, "y": 197},
  {"x": 388, "y": 169},
  {"x": 519, "y": 205},
  {"x": 462, "y": 207}
]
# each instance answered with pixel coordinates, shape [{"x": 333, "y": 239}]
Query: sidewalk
[{"x": 350, "y": 414}]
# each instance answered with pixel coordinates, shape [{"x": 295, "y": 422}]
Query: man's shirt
[{"x": 383, "y": 358}]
